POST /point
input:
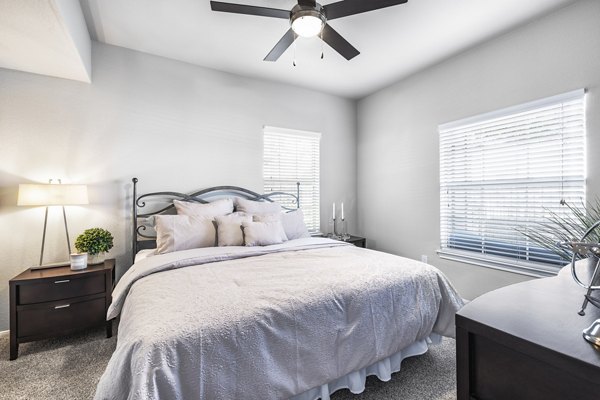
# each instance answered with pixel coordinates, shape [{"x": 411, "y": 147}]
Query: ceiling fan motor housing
[{"x": 302, "y": 11}]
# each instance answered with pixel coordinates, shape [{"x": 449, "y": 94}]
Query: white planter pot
[{"x": 96, "y": 258}]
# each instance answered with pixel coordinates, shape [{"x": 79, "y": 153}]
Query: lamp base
[{"x": 592, "y": 334}]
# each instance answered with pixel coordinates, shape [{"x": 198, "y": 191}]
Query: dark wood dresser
[
  {"x": 524, "y": 342},
  {"x": 54, "y": 302}
]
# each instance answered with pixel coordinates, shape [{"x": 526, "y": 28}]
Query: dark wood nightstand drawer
[
  {"x": 62, "y": 316},
  {"x": 61, "y": 288}
]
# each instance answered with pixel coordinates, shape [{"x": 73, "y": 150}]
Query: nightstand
[
  {"x": 357, "y": 241},
  {"x": 53, "y": 302}
]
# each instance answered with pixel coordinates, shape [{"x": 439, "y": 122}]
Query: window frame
[{"x": 524, "y": 267}]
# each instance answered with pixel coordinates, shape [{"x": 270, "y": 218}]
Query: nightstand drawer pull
[
  {"x": 63, "y": 306},
  {"x": 63, "y": 281}
]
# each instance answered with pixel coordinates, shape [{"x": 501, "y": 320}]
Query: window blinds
[
  {"x": 505, "y": 170},
  {"x": 292, "y": 156}
]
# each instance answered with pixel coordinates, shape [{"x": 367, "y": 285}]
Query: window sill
[{"x": 499, "y": 263}]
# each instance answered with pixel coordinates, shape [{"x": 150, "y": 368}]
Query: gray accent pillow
[
  {"x": 293, "y": 223},
  {"x": 263, "y": 233},
  {"x": 183, "y": 232},
  {"x": 212, "y": 209},
  {"x": 256, "y": 207},
  {"x": 229, "y": 229}
]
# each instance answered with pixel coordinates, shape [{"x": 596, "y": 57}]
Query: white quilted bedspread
[{"x": 267, "y": 322}]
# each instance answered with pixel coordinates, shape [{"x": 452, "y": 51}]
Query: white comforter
[{"x": 267, "y": 322}]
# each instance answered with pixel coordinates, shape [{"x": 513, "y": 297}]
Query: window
[
  {"x": 505, "y": 170},
  {"x": 292, "y": 156}
]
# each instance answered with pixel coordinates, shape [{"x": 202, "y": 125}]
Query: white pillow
[
  {"x": 183, "y": 232},
  {"x": 256, "y": 207},
  {"x": 273, "y": 218},
  {"x": 218, "y": 207},
  {"x": 267, "y": 217},
  {"x": 229, "y": 229},
  {"x": 263, "y": 233},
  {"x": 293, "y": 225}
]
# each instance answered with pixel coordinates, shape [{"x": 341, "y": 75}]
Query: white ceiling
[
  {"x": 394, "y": 42},
  {"x": 45, "y": 37}
]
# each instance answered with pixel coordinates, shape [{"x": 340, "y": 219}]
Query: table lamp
[{"x": 52, "y": 195}]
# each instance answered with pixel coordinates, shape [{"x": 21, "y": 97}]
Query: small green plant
[
  {"x": 565, "y": 227},
  {"x": 94, "y": 241}
]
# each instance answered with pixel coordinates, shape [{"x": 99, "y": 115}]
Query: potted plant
[
  {"x": 560, "y": 227},
  {"x": 95, "y": 242}
]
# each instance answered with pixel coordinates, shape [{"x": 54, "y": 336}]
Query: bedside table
[
  {"x": 357, "y": 241},
  {"x": 53, "y": 302}
]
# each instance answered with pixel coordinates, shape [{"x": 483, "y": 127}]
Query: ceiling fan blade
[
  {"x": 281, "y": 46},
  {"x": 351, "y": 7},
  {"x": 338, "y": 43},
  {"x": 249, "y": 10},
  {"x": 308, "y": 3}
]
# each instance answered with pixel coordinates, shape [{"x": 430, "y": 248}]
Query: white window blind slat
[
  {"x": 292, "y": 156},
  {"x": 506, "y": 170}
]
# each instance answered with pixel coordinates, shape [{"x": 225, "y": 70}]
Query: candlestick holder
[
  {"x": 344, "y": 235},
  {"x": 332, "y": 229}
]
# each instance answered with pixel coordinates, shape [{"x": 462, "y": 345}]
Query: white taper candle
[
  {"x": 334, "y": 210},
  {"x": 342, "y": 210}
]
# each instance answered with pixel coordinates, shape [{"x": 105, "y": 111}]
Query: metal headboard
[{"x": 142, "y": 240}]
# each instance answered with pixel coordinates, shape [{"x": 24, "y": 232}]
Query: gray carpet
[{"x": 69, "y": 369}]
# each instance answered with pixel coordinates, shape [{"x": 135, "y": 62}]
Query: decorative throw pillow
[
  {"x": 183, "y": 232},
  {"x": 293, "y": 225},
  {"x": 212, "y": 209},
  {"x": 263, "y": 233},
  {"x": 273, "y": 217},
  {"x": 229, "y": 229},
  {"x": 256, "y": 207}
]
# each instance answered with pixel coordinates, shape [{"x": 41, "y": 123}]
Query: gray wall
[
  {"x": 173, "y": 125},
  {"x": 398, "y": 159}
]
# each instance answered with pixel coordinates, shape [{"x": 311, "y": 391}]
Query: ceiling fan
[{"x": 308, "y": 19}]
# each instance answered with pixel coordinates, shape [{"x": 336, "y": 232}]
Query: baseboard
[{"x": 4, "y": 333}]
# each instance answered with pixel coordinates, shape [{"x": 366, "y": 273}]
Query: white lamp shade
[{"x": 52, "y": 195}]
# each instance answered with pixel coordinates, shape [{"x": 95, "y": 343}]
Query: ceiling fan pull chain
[
  {"x": 322, "y": 54},
  {"x": 294, "y": 61}
]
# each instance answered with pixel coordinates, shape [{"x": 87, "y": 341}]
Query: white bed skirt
[{"x": 383, "y": 369}]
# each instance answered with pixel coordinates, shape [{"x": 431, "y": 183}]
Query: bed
[{"x": 299, "y": 319}]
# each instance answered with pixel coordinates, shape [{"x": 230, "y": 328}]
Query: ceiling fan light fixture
[
  {"x": 307, "y": 21},
  {"x": 307, "y": 25}
]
